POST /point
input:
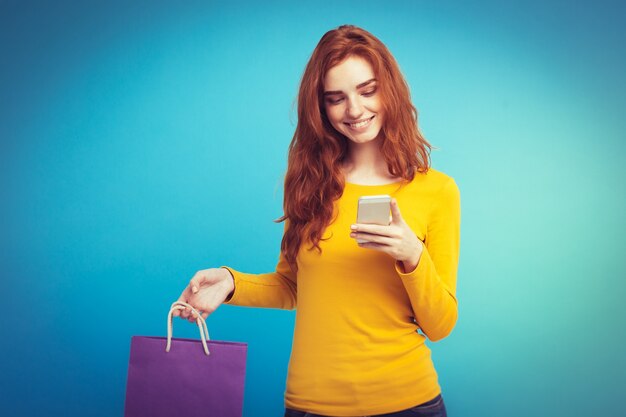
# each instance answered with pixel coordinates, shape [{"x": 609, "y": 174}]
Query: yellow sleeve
[
  {"x": 270, "y": 290},
  {"x": 432, "y": 285}
]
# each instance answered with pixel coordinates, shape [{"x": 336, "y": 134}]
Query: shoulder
[
  {"x": 437, "y": 176},
  {"x": 434, "y": 181},
  {"x": 431, "y": 188},
  {"x": 439, "y": 190},
  {"x": 447, "y": 198}
]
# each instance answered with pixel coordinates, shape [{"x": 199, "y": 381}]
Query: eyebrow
[{"x": 363, "y": 84}]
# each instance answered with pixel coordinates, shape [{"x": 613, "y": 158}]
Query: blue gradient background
[{"x": 141, "y": 142}]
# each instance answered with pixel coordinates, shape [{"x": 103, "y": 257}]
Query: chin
[
  {"x": 364, "y": 138},
  {"x": 361, "y": 140}
]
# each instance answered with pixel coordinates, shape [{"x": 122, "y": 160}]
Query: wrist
[
  {"x": 229, "y": 283},
  {"x": 411, "y": 264},
  {"x": 408, "y": 266}
]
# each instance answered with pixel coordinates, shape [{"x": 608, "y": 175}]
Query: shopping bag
[{"x": 169, "y": 377}]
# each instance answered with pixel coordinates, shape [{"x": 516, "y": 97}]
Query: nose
[{"x": 355, "y": 108}]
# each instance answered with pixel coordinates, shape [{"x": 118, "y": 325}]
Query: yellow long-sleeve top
[{"x": 356, "y": 346}]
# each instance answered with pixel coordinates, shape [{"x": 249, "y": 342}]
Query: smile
[{"x": 360, "y": 124}]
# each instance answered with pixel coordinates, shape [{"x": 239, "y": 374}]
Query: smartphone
[{"x": 374, "y": 209}]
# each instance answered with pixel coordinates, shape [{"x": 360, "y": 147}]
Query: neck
[{"x": 364, "y": 160}]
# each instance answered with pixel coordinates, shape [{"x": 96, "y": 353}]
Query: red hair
[{"x": 314, "y": 179}]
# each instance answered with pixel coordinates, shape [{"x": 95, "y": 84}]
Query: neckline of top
[{"x": 389, "y": 184}]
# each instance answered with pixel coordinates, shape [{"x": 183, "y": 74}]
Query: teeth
[{"x": 360, "y": 124}]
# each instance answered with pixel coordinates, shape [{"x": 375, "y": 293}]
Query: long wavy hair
[{"x": 314, "y": 180}]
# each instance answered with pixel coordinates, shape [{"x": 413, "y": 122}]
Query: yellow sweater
[{"x": 356, "y": 348}]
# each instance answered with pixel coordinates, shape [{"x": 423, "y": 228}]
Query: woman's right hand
[{"x": 206, "y": 291}]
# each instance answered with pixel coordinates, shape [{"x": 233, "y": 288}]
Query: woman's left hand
[{"x": 397, "y": 239}]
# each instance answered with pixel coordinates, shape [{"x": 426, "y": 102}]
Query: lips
[{"x": 359, "y": 124}]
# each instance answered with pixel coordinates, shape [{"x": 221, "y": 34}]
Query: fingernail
[
  {"x": 194, "y": 289},
  {"x": 353, "y": 227}
]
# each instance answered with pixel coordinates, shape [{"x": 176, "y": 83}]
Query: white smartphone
[{"x": 374, "y": 209}]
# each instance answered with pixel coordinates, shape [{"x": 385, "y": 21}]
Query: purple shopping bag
[{"x": 169, "y": 377}]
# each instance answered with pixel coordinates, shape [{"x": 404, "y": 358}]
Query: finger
[
  {"x": 375, "y": 246},
  {"x": 208, "y": 303},
  {"x": 383, "y": 240},
  {"x": 396, "y": 216},
  {"x": 205, "y": 315},
  {"x": 192, "y": 316},
  {"x": 375, "y": 229},
  {"x": 184, "y": 297},
  {"x": 196, "y": 282},
  {"x": 185, "y": 313}
]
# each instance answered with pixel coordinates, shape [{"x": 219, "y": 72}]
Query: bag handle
[{"x": 204, "y": 331}]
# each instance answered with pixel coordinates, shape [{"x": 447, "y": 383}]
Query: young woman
[{"x": 364, "y": 310}]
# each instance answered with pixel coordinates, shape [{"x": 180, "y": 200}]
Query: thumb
[
  {"x": 197, "y": 281},
  {"x": 396, "y": 217}
]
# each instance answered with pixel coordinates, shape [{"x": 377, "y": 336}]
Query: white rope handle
[{"x": 204, "y": 331}]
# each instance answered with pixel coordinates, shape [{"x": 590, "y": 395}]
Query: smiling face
[{"x": 352, "y": 100}]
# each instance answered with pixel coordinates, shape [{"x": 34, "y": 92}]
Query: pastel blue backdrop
[{"x": 142, "y": 141}]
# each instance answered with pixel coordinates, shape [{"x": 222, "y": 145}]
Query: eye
[
  {"x": 334, "y": 100},
  {"x": 369, "y": 92}
]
